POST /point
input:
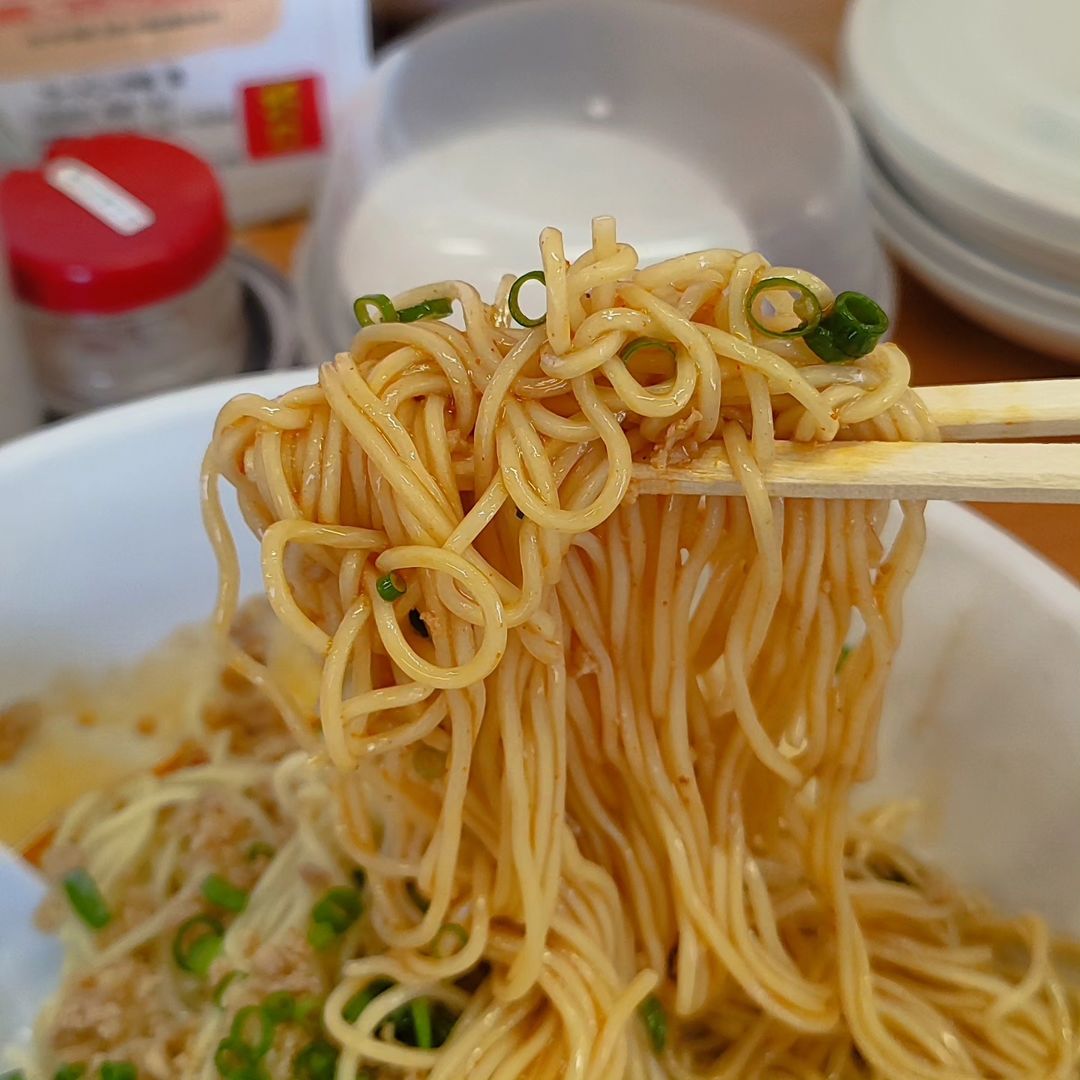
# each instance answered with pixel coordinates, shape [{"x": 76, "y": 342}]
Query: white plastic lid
[{"x": 693, "y": 128}]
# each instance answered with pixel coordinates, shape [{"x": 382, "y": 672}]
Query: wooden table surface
[{"x": 944, "y": 346}]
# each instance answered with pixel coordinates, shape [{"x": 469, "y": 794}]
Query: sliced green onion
[
  {"x": 453, "y": 935},
  {"x": 308, "y": 1007},
  {"x": 224, "y": 894},
  {"x": 845, "y": 652},
  {"x": 429, "y": 762},
  {"x": 512, "y": 300},
  {"x": 316, "y": 1061},
  {"x": 381, "y": 302},
  {"x": 253, "y": 1026},
  {"x": 851, "y": 328},
  {"x": 652, "y": 1013},
  {"x": 820, "y": 342},
  {"x": 416, "y": 621},
  {"x": 339, "y": 908},
  {"x": 217, "y": 995},
  {"x": 637, "y": 344},
  {"x": 233, "y": 1059},
  {"x": 321, "y": 936},
  {"x": 334, "y": 913},
  {"x": 13, "y": 1074},
  {"x": 260, "y": 849},
  {"x": 363, "y": 998},
  {"x": 422, "y": 1023},
  {"x": 416, "y": 896},
  {"x": 279, "y": 1007},
  {"x": 117, "y": 1070},
  {"x": 442, "y": 1024},
  {"x": 807, "y": 307},
  {"x": 86, "y": 899},
  {"x": 390, "y": 587},
  {"x": 198, "y": 943},
  {"x": 420, "y": 1008},
  {"x": 427, "y": 309},
  {"x": 65, "y": 1072}
]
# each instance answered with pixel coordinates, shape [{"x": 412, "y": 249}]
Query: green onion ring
[
  {"x": 338, "y": 908},
  {"x": 421, "y": 1018},
  {"x": 198, "y": 943},
  {"x": 217, "y": 995},
  {"x": 390, "y": 587},
  {"x": 85, "y": 897},
  {"x": 264, "y": 1034},
  {"x": 807, "y": 307},
  {"x": 363, "y": 998},
  {"x": 381, "y": 302},
  {"x": 316, "y": 1061},
  {"x": 224, "y": 894},
  {"x": 117, "y": 1070},
  {"x": 454, "y": 931},
  {"x": 851, "y": 328},
  {"x": 259, "y": 849},
  {"x": 308, "y": 1008},
  {"x": 321, "y": 936},
  {"x": 233, "y": 1060},
  {"x": 652, "y": 1013},
  {"x": 438, "y": 308},
  {"x": 279, "y": 1007},
  {"x": 512, "y": 299},
  {"x": 429, "y": 763},
  {"x": 632, "y": 347}
]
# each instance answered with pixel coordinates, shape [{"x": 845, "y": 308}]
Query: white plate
[
  {"x": 975, "y": 104},
  {"x": 1013, "y": 302},
  {"x": 693, "y": 128},
  {"x": 105, "y": 556}
]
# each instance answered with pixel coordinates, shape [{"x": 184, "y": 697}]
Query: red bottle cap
[{"x": 155, "y": 227}]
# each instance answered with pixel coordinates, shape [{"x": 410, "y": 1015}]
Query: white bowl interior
[
  {"x": 473, "y": 135},
  {"x": 103, "y": 554}
]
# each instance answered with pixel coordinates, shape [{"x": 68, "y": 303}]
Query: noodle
[{"x": 608, "y": 740}]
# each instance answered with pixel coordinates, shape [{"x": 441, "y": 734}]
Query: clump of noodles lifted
[{"x": 612, "y": 736}]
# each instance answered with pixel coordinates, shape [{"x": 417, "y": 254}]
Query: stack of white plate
[{"x": 971, "y": 113}]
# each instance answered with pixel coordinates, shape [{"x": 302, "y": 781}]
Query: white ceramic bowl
[
  {"x": 102, "y": 554},
  {"x": 692, "y": 128}
]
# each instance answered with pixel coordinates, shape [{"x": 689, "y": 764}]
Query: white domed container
[{"x": 693, "y": 128}]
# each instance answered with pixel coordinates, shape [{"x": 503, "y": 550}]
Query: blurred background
[{"x": 194, "y": 188}]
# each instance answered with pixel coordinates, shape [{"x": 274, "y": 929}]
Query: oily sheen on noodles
[{"x": 615, "y": 736}]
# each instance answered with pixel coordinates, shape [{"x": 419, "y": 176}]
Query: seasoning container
[
  {"x": 118, "y": 247},
  {"x": 19, "y": 407}
]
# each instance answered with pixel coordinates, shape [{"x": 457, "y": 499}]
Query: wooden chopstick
[
  {"x": 1028, "y": 409},
  {"x": 957, "y": 471}
]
